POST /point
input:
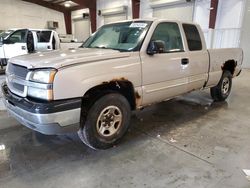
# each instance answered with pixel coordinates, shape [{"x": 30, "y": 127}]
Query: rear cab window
[
  {"x": 43, "y": 36},
  {"x": 193, "y": 37}
]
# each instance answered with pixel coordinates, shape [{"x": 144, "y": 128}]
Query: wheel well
[
  {"x": 230, "y": 66},
  {"x": 123, "y": 87}
]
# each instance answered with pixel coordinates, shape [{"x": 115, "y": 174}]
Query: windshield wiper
[{"x": 102, "y": 47}]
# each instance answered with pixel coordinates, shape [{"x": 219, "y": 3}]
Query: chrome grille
[
  {"x": 19, "y": 87},
  {"x": 16, "y": 77},
  {"x": 18, "y": 70}
]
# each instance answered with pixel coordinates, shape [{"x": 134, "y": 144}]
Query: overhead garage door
[
  {"x": 114, "y": 18},
  {"x": 183, "y": 12},
  {"x": 81, "y": 29}
]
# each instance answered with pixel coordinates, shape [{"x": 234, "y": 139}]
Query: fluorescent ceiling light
[
  {"x": 67, "y": 4},
  {"x": 2, "y": 147}
]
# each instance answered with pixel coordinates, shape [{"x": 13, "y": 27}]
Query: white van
[{"x": 15, "y": 42}]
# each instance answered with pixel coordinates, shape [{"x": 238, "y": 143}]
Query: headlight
[
  {"x": 43, "y": 76},
  {"x": 41, "y": 86},
  {"x": 40, "y": 93}
]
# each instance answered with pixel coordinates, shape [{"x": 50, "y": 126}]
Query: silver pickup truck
[{"x": 122, "y": 67}]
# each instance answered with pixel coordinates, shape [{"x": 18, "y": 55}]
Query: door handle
[
  {"x": 23, "y": 47},
  {"x": 184, "y": 61}
]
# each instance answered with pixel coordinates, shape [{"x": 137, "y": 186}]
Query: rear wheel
[
  {"x": 107, "y": 121},
  {"x": 223, "y": 89},
  {"x": 30, "y": 43}
]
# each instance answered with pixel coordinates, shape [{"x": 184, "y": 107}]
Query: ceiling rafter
[
  {"x": 48, "y": 5},
  {"x": 56, "y": 5}
]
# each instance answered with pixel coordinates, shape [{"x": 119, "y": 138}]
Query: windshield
[
  {"x": 125, "y": 36},
  {"x": 4, "y": 34}
]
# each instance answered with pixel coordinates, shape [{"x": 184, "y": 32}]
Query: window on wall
[
  {"x": 193, "y": 37},
  {"x": 170, "y": 34}
]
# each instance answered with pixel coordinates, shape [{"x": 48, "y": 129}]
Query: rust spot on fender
[
  {"x": 115, "y": 80},
  {"x": 137, "y": 96},
  {"x": 229, "y": 65},
  {"x": 137, "y": 99},
  {"x": 119, "y": 79}
]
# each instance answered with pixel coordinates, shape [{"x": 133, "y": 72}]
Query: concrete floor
[{"x": 186, "y": 142}]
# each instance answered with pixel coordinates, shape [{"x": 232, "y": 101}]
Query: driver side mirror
[
  {"x": 7, "y": 41},
  {"x": 156, "y": 47}
]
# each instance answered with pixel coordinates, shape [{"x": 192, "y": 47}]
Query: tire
[
  {"x": 223, "y": 89},
  {"x": 99, "y": 132},
  {"x": 30, "y": 43}
]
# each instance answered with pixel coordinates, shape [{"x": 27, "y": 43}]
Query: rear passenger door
[
  {"x": 198, "y": 57},
  {"x": 44, "y": 39},
  {"x": 165, "y": 74}
]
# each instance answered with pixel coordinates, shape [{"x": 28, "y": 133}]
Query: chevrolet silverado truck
[
  {"x": 15, "y": 42},
  {"x": 122, "y": 67}
]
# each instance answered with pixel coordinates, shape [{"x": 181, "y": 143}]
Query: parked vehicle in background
[
  {"x": 124, "y": 66},
  {"x": 15, "y": 42}
]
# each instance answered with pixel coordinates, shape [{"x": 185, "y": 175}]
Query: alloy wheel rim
[
  {"x": 225, "y": 86},
  {"x": 109, "y": 121}
]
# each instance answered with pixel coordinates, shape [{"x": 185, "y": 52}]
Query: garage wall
[
  {"x": 183, "y": 12},
  {"x": 19, "y": 14},
  {"x": 201, "y": 17},
  {"x": 168, "y": 9},
  {"x": 80, "y": 26},
  {"x": 110, "y": 4},
  {"x": 245, "y": 39},
  {"x": 228, "y": 24},
  {"x": 145, "y": 9}
]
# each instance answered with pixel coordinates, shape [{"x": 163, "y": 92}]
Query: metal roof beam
[{"x": 48, "y": 5}]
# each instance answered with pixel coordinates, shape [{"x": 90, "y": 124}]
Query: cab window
[
  {"x": 193, "y": 37},
  {"x": 43, "y": 36},
  {"x": 169, "y": 34},
  {"x": 18, "y": 36}
]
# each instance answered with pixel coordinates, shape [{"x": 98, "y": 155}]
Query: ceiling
[{"x": 65, "y": 5}]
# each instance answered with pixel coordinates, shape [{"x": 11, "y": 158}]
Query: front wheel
[
  {"x": 107, "y": 121},
  {"x": 223, "y": 89}
]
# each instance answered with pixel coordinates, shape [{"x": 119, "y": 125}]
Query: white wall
[
  {"x": 20, "y": 14},
  {"x": 230, "y": 13},
  {"x": 83, "y": 32},
  {"x": 202, "y": 13},
  {"x": 245, "y": 39},
  {"x": 109, "y": 4},
  {"x": 228, "y": 23},
  {"x": 201, "y": 17},
  {"x": 145, "y": 9}
]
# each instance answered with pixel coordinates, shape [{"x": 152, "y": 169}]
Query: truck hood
[{"x": 61, "y": 58}]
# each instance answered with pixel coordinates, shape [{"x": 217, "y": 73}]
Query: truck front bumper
[{"x": 50, "y": 118}]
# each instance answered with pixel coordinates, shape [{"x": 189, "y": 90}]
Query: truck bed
[{"x": 218, "y": 58}]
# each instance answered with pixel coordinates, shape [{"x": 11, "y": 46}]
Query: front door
[
  {"x": 16, "y": 44},
  {"x": 165, "y": 74}
]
